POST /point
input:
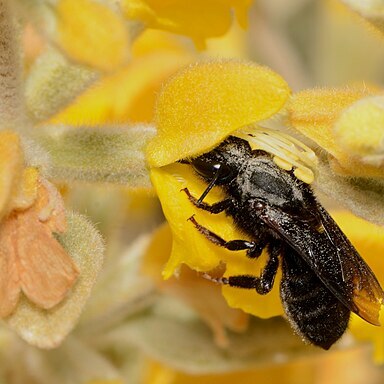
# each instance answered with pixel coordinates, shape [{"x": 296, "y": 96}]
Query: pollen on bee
[
  {"x": 282, "y": 163},
  {"x": 320, "y": 228},
  {"x": 304, "y": 174},
  {"x": 287, "y": 151}
]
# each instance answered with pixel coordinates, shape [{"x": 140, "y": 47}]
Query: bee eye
[{"x": 213, "y": 169}]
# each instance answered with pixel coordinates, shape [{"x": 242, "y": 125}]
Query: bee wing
[{"x": 331, "y": 256}]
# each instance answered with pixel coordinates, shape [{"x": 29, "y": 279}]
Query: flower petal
[
  {"x": 33, "y": 259},
  {"x": 125, "y": 96},
  {"x": 11, "y": 164},
  {"x": 190, "y": 247},
  {"x": 264, "y": 306},
  {"x": 197, "y": 19},
  {"x": 91, "y": 33},
  {"x": 47, "y": 272},
  {"x": 27, "y": 189},
  {"x": 360, "y": 130},
  {"x": 204, "y": 103},
  {"x": 313, "y": 112},
  {"x": 9, "y": 272}
]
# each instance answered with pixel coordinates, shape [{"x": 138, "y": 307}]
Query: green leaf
[
  {"x": 104, "y": 154},
  {"x": 53, "y": 83}
]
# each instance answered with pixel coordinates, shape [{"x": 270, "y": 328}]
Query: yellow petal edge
[
  {"x": 189, "y": 247},
  {"x": 206, "y": 102},
  {"x": 11, "y": 165}
]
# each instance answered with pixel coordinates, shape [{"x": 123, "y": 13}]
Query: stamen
[{"x": 288, "y": 152}]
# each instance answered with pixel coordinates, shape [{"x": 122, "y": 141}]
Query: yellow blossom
[
  {"x": 196, "y": 110},
  {"x": 11, "y": 165},
  {"x": 213, "y": 99},
  {"x": 91, "y": 33},
  {"x": 346, "y": 122},
  {"x": 359, "y": 131},
  {"x": 197, "y": 19},
  {"x": 128, "y": 94}
]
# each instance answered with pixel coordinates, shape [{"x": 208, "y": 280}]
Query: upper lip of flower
[{"x": 206, "y": 102}]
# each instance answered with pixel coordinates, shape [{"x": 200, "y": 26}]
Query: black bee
[{"x": 324, "y": 278}]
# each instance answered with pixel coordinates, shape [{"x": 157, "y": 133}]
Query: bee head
[{"x": 222, "y": 163}]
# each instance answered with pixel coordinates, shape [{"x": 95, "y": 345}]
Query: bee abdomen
[{"x": 312, "y": 309}]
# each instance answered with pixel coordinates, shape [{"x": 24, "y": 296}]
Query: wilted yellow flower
[
  {"x": 33, "y": 262},
  {"x": 196, "y": 19}
]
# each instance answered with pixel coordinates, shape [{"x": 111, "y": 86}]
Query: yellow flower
[
  {"x": 128, "y": 94},
  {"x": 32, "y": 261},
  {"x": 92, "y": 34},
  {"x": 347, "y": 123},
  {"x": 213, "y": 99},
  {"x": 196, "y": 110},
  {"x": 197, "y": 19}
]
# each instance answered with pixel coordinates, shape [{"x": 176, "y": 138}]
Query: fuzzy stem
[{"x": 11, "y": 100}]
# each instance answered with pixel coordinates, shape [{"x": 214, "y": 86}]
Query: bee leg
[
  {"x": 256, "y": 251},
  {"x": 214, "y": 208},
  {"x": 232, "y": 245},
  {"x": 262, "y": 284}
]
